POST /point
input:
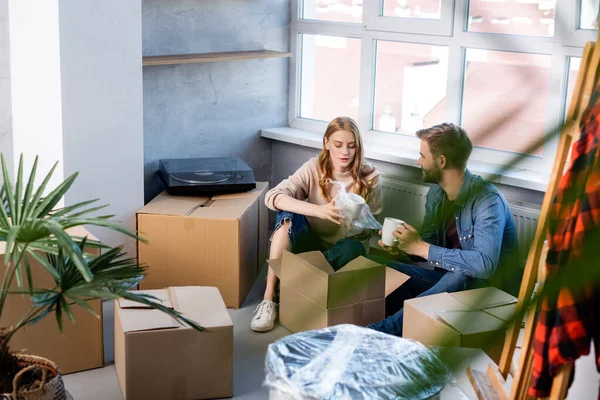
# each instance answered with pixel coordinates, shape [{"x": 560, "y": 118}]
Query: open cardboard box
[
  {"x": 314, "y": 296},
  {"x": 206, "y": 241},
  {"x": 158, "y": 358},
  {"x": 471, "y": 318}
]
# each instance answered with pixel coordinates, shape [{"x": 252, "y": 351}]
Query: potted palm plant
[{"x": 34, "y": 229}]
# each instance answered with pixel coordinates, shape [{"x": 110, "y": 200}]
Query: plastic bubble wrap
[
  {"x": 365, "y": 219},
  {"x": 350, "y": 362}
]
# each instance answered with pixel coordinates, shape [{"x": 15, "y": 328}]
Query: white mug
[
  {"x": 353, "y": 206},
  {"x": 389, "y": 226}
]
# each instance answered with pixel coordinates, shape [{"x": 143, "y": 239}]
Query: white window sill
[{"x": 520, "y": 178}]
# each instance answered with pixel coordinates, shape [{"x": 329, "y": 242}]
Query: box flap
[
  {"x": 166, "y": 204},
  {"x": 275, "y": 266},
  {"x": 230, "y": 206},
  {"x": 161, "y": 294},
  {"x": 478, "y": 299},
  {"x": 359, "y": 263},
  {"x": 470, "y": 322},
  {"x": 304, "y": 276},
  {"x": 393, "y": 280},
  {"x": 318, "y": 260},
  {"x": 202, "y": 304},
  {"x": 137, "y": 317},
  {"x": 356, "y": 285},
  {"x": 505, "y": 313}
]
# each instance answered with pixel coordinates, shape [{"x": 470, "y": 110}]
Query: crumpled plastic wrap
[
  {"x": 365, "y": 220},
  {"x": 350, "y": 362}
]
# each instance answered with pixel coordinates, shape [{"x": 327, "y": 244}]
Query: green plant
[{"x": 33, "y": 229}]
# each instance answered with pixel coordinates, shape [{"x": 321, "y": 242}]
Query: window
[
  {"x": 410, "y": 86},
  {"x": 505, "y": 99},
  {"x": 503, "y": 69},
  {"x": 520, "y": 17},
  {"x": 330, "y": 77},
  {"x": 588, "y": 14},
  {"x": 574, "y": 65},
  {"x": 423, "y": 9},
  {"x": 333, "y": 10}
]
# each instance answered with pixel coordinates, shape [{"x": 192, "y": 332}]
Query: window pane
[
  {"x": 505, "y": 99},
  {"x": 520, "y": 17},
  {"x": 410, "y": 86},
  {"x": 429, "y": 9},
  {"x": 333, "y": 10},
  {"x": 330, "y": 77},
  {"x": 574, "y": 65},
  {"x": 588, "y": 14}
]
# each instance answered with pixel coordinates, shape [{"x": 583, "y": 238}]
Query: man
[{"x": 468, "y": 234}]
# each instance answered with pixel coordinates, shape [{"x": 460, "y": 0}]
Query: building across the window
[{"x": 503, "y": 69}]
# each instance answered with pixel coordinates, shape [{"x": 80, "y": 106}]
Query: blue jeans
[
  {"x": 303, "y": 240},
  {"x": 423, "y": 282}
]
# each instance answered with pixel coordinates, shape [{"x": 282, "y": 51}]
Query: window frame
[{"x": 568, "y": 41}]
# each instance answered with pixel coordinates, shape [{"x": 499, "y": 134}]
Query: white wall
[
  {"x": 6, "y": 144},
  {"x": 101, "y": 54},
  {"x": 77, "y": 99},
  {"x": 35, "y": 84}
]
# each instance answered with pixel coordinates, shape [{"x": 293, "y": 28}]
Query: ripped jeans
[{"x": 303, "y": 240}]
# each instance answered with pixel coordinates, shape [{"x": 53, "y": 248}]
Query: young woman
[{"x": 308, "y": 218}]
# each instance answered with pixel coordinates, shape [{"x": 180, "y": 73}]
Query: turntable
[{"x": 206, "y": 176}]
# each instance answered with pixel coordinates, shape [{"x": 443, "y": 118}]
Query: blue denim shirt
[{"x": 485, "y": 227}]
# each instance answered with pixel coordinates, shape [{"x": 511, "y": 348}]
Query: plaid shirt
[{"x": 570, "y": 319}]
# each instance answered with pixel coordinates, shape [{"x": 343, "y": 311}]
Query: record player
[{"x": 206, "y": 176}]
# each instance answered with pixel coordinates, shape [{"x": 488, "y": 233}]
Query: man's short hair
[{"x": 450, "y": 141}]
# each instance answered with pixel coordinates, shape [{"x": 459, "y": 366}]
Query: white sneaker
[{"x": 264, "y": 320}]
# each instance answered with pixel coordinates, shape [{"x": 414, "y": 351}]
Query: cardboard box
[
  {"x": 471, "y": 318},
  {"x": 157, "y": 358},
  {"x": 314, "y": 296},
  {"x": 80, "y": 347},
  {"x": 201, "y": 241}
]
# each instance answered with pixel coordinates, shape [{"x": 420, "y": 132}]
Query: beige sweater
[{"x": 304, "y": 185}]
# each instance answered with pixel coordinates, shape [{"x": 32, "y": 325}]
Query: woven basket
[{"x": 54, "y": 389}]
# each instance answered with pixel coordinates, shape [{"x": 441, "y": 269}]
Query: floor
[{"x": 250, "y": 349}]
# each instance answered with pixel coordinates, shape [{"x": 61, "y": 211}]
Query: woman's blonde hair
[{"x": 361, "y": 185}]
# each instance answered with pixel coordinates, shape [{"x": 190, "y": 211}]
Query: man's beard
[{"x": 433, "y": 175}]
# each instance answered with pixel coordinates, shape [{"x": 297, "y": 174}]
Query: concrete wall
[
  {"x": 213, "y": 109},
  {"x": 101, "y": 80},
  {"x": 6, "y": 144},
  {"x": 289, "y": 157}
]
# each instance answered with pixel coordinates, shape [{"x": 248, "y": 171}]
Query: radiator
[{"x": 406, "y": 201}]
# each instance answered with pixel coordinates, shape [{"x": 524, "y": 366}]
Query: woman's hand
[{"x": 329, "y": 211}]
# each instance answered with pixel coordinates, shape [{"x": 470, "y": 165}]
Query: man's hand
[
  {"x": 390, "y": 249},
  {"x": 410, "y": 242}
]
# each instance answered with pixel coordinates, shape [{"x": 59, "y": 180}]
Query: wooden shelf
[{"x": 211, "y": 57}]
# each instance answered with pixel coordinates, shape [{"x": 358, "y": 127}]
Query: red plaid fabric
[{"x": 569, "y": 321}]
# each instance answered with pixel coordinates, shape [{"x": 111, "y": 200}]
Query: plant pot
[{"x": 53, "y": 389}]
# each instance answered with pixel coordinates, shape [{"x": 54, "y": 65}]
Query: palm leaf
[
  {"x": 54, "y": 197},
  {"x": 18, "y": 192},
  {"x": 8, "y": 188},
  {"x": 43, "y": 262},
  {"x": 83, "y": 304},
  {"x": 39, "y": 192},
  {"x": 70, "y": 248},
  {"x": 66, "y": 308},
  {"x": 66, "y": 210},
  {"x": 28, "y": 273},
  {"x": 58, "y": 315},
  {"x": 27, "y": 203}
]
